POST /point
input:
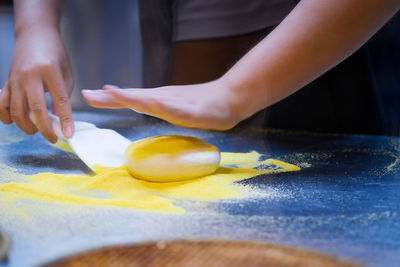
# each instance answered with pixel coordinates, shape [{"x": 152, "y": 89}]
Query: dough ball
[{"x": 170, "y": 158}]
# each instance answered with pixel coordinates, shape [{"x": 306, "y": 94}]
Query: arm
[
  {"x": 36, "y": 15},
  {"x": 315, "y": 36},
  {"x": 39, "y": 64}
]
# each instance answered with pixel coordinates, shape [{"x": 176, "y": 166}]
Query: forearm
[
  {"x": 36, "y": 15},
  {"x": 316, "y": 36},
  {"x": 39, "y": 65}
]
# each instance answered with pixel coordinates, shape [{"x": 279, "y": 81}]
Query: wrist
[
  {"x": 36, "y": 16},
  {"x": 246, "y": 97},
  {"x": 35, "y": 29}
]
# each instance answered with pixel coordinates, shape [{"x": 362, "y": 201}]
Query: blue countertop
[{"x": 345, "y": 201}]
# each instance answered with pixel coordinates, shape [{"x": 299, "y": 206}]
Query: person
[{"x": 313, "y": 38}]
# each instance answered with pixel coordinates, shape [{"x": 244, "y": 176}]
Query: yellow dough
[{"x": 171, "y": 158}]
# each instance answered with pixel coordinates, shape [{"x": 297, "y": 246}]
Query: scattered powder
[
  {"x": 304, "y": 165},
  {"x": 8, "y": 139},
  {"x": 9, "y": 174},
  {"x": 116, "y": 187}
]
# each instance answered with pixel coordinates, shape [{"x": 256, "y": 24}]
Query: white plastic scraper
[{"x": 94, "y": 146}]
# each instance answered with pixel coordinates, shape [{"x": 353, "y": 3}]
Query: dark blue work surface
[{"x": 345, "y": 201}]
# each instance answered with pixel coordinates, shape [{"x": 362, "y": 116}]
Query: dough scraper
[{"x": 94, "y": 146}]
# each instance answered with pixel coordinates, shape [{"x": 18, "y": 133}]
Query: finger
[
  {"x": 19, "y": 111},
  {"x": 59, "y": 95},
  {"x": 140, "y": 100},
  {"x": 5, "y": 105},
  {"x": 37, "y": 105},
  {"x": 101, "y": 99},
  {"x": 151, "y": 102}
]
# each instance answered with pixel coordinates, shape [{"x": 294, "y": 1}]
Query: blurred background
[
  {"x": 6, "y": 38},
  {"x": 102, "y": 40},
  {"x": 361, "y": 95}
]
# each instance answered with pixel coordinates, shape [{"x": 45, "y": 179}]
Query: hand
[
  {"x": 40, "y": 64},
  {"x": 205, "y": 106}
]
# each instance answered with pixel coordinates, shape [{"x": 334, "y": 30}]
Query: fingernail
[
  {"x": 68, "y": 132},
  {"x": 86, "y": 91},
  {"x": 110, "y": 86}
]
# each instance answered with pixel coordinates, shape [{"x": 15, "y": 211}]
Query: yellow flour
[
  {"x": 116, "y": 187},
  {"x": 243, "y": 160}
]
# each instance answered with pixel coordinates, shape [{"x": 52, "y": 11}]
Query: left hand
[{"x": 205, "y": 106}]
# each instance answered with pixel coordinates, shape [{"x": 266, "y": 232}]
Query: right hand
[{"x": 40, "y": 64}]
